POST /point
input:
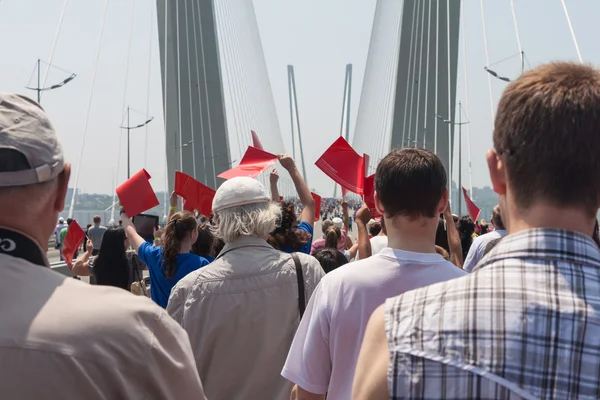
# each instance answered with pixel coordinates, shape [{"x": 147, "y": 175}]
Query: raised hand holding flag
[
  {"x": 196, "y": 195},
  {"x": 252, "y": 164},
  {"x": 73, "y": 239},
  {"x": 136, "y": 194},
  {"x": 344, "y": 165}
]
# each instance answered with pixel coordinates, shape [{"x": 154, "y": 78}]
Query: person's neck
[
  {"x": 35, "y": 231},
  {"x": 416, "y": 235},
  {"x": 549, "y": 216},
  {"x": 184, "y": 248}
]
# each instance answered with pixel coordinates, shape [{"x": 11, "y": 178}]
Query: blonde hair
[{"x": 257, "y": 219}]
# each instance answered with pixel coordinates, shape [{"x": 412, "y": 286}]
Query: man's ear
[
  {"x": 378, "y": 204},
  {"x": 497, "y": 170},
  {"x": 61, "y": 188},
  {"x": 443, "y": 202}
]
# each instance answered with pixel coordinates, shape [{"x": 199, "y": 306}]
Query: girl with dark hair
[
  {"x": 171, "y": 261},
  {"x": 204, "y": 245},
  {"x": 466, "y": 228},
  {"x": 113, "y": 266},
  {"x": 287, "y": 237}
]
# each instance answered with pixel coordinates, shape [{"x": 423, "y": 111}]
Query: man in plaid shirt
[{"x": 525, "y": 324}]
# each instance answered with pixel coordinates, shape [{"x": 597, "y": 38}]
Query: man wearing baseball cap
[
  {"x": 241, "y": 311},
  {"x": 59, "y": 337}
]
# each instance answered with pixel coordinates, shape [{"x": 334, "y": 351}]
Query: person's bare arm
[
  {"x": 172, "y": 206},
  {"x": 308, "y": 212},
  {"x": 345, "y": 215},
  {"x": 363, "y": 216},
  {"x": 134, "y": 239},
  {"x": 80, "y": 268},
  {"x": 454, "y": 245},
  {"x": 273, "y": 179},
  {"x": 370, "y": 378},
  {"x": 353, "y": 250},
  {"x": 300, "y": 394}
]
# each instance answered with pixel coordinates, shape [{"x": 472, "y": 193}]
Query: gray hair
[{"x": 257, "y": 219}]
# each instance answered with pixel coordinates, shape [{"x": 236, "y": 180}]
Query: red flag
[
  {"x": 256, "y": 141},
  {"x": 473, "y": 210},
  {"x": 196, "y": 196},
  {"x": 317, "y": 200},
  {"x": 342, "y": 164},
  {"x": 280, "y": 198},
  {"x": 136, "y": 194},
  {"x": 369, "y": 196},
  {"x": 73, "y": 239},
  {"x": 253, "y": 163}
]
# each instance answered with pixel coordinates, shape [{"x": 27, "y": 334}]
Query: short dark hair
[
  {"x": 410, "y": 182},
  {"x": 97, "y": 219},
  {"x": 546, "y": 130},
  {"x": 497, "y": 218},
  {"x": 69, "y": 221},
  {"x": 330, "y": 259}
]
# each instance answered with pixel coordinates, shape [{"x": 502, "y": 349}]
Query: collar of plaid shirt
[{"x": 525, "y": 323}]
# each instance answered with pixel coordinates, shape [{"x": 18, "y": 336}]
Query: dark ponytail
[{"x": 180, "y": 225}]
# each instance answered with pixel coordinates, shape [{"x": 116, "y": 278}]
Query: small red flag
[
  {"x": 256, "y": 141},
  {"x": 317, "y": 200},
  {"x": 136, "y": 194},
  {"x": 369, "y": 196},
  {"x": 253, "y": 163},
  {"x": 280, "y": 198},
  {"x": 342, "y": 164},
  {"x": 73, "y": 239},
  {"x": 473, "y": 210},
  {"x": 196, "y": 196}
]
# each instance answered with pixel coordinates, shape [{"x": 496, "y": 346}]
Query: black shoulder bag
[{"x": 300, "y": 278}]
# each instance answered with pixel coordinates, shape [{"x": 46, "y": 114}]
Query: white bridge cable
[
  {"x": 487, "y": 60},
  {"x": 514, "y": 16},
  {"x": 125, "y": 86},
  {"x": 409, "y": 76},
  {"x": 56, "y": 36},
  {"x": 450, "y": 115},
  {"x": 200, "y": 108},
  {"x": 437, "y": 74},
  {"x": 226, "y": 51},
  {"x": 390, "y": 88},
  {"x": 207, "y": 103},
  {"x": 189, "y": 71},
  {"x": 572, "y": 31},
  {"x": 426, "y": 113},
  {"x": 152, "y": 22},
  {"x": 165, "y": 100},
  {"x": 463, "y": 33},
  {"x": 89, "y": 108},
  {"x": 416, "y": 129},
  {"x": 414, "y": 78},
  {"x": 178, "y": 147}
]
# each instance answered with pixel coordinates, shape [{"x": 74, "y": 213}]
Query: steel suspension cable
[
  {"x": 408, "y": 76},
  {"x": 572, "y": 31},
  {"x": 56, "y": 36},
  {"x": 89, "y": 108},
  {"x": 466, "y": 81},
  {"x": 187, "y": 42},
  {"x": 200, "y": 108},
  {"x": 487, "y": 59},
  {"x": 450, "y": 115},
  {"x": 152, "y": 21},
  {"x": 437, "y": 69},
  {"x": 514, "y": 16},
  {"x": 426, "y": 113}
]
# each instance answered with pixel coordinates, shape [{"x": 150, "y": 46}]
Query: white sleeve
[
  {"x": 308, "y": 364},
  {"x": 474, "y": 255}
]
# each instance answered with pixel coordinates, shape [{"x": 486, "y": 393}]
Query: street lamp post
[{"x": 129, "y": 128}]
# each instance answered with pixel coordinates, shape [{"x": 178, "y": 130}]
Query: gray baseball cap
[{"x": 26, "y": 129}]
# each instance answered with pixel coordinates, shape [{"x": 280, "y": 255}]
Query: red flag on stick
[
  {"x": 317, "y": 200},
  {"x": 196, "y": 196},
  {"x": 136, "y": 194},
  {"x": 256, "y": 141},
  {"x": 73, "y": 239},
  {"x": 342, "y": 164},
  {"x": 253, "y": 163},
  {"x": 369, "y": 196},
  {"x": 473, "y": 210}
]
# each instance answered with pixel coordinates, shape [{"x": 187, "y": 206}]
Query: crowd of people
[{"x": 251, "y": 303}]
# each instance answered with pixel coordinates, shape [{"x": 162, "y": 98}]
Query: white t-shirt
[
  {"x": 325, "y": 349},
  {"x": 378, "y": 243}
]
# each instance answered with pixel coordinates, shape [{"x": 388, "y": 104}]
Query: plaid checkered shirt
[{"x": 524, "y": 325}]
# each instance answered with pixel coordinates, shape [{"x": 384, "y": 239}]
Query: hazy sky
[{"x": 319, "y": 37}]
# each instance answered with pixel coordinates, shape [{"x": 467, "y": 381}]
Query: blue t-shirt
[
  {"x": 209, "y": 259},
  {"x": 303, "y": 226},
  {"x": 160, "y": 285}
]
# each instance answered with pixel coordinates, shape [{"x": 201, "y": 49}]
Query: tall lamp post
[
  {"x": 460, "y": 123},
  {"x": 129, "y": 128},
  {"x": 39, "y": 89}
]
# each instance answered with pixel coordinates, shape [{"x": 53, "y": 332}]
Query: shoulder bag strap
[{"x": 300, "y": 278}]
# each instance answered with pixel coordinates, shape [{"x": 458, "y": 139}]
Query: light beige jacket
[{"x": 241, "y": 314}]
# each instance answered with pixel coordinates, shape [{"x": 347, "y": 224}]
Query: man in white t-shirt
[{"x": 325, "y": 349}]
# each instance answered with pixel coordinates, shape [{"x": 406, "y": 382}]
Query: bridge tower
[
  {"x": 429, "y": 34},
  {"x": 195, "y": 123}
]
